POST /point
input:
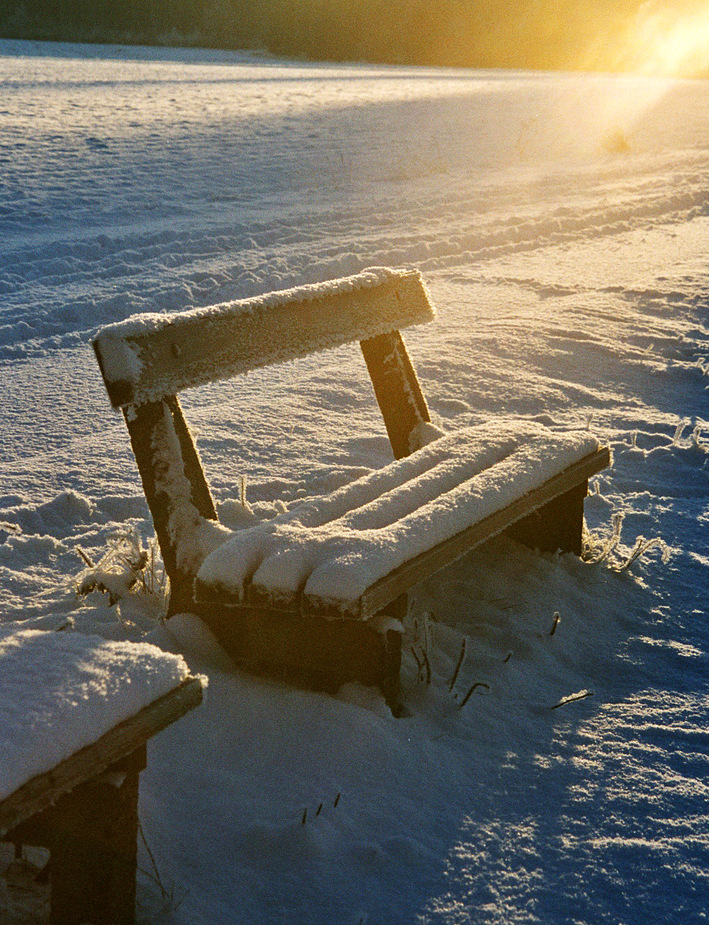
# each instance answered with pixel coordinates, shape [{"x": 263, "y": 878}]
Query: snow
[
  {"x": 571, "y": 284},
  {"x": 338, "y": 546},
  {"x": 191, "y": 535},
  {"x": 62, "y": 691}
]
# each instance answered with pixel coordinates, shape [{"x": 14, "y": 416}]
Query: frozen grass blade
[{"x": 461, "y": 657}]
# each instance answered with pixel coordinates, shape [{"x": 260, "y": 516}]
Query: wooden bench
[
  {"x": 84, "y": 809},
  {"x": 282, "y": 611}
]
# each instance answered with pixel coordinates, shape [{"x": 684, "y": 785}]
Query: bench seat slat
[{"x": 427, "y": 564}]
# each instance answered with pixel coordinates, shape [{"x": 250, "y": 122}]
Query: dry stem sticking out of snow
[
  {"x": 127, "y": 567},
  {"x": 597, "y": 548}
]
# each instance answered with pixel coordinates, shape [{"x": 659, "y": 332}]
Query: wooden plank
[
  {"x": 200, "y": 495},
  {"x": 91, "y": 833},
  {"x": 568, "y": 482},
  {"x": 45, "y": 789},
  {"x": 397, "y": 389},
  {"x": 307, "y": 649},
  {"x": 557, "y": 525},
  {"x": 174, "y": 484},
  {"x": 427, "y": 564},
  {"x": 143, "y": 362}
]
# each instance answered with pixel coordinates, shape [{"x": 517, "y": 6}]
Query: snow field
[{"x": 571, "y": 284}]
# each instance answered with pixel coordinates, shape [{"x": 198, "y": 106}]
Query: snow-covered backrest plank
[{"x": 150, "y": 356}]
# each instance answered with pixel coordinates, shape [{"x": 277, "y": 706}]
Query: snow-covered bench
[
  {"x": 76, "y": 713},
  {"x": 314, "y": 594}
]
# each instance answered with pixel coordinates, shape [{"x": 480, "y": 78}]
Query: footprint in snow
[{"x": 96, "y": 144}]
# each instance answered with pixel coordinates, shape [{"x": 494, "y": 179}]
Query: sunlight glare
[{"x": 669, "y": 41}]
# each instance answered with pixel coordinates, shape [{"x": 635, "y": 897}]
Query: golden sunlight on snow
[
  {"x": 668, "y": 40},
  {"x": 671, "y": 43}
]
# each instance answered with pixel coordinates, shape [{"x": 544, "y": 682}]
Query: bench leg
[
  {"x": 558, "y": 525},
  {"x": 390, "y": 685},
  {"x": 397, "y": 389},
  {"x": 94, "y": 835}
]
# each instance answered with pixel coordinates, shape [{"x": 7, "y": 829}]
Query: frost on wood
[
  {"x": 149, "y": 356},
  {"x": 62, "y": 691},
  {"x": 336, "y": 547},
  {"x": 190, "y": 534}
]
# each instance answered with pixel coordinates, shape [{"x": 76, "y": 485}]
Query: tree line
[{"x": 548, "y": 34}]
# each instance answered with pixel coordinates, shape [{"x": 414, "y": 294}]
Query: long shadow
[{"x": 588, "y": 812}]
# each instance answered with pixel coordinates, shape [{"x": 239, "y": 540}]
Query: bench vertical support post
[
  {"x": 397, "y": 389},
  {"x": 201, "y": 496},
  {"x": 94, "y": 846},
  {"x": 555, "y": 527},
  {"x": 173, "y": 479},
  {"x": 390, "y": 685}
]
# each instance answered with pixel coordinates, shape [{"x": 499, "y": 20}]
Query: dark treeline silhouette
[{"x": 549, "y": 34}]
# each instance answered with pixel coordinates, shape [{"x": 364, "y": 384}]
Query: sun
[{"x": 669, "y": 39}]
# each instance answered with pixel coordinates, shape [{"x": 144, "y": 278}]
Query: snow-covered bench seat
[
  {"x": 76, "y": 713},
  {"x": 311, "y": 594},
  {"x": 350, "y": 553}
]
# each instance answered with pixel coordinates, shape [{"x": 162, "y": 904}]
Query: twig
[
  {"x": 427, "y": 664},
  {"x": 473, "y": 688},
  {"x": 10, "y": 528},
  {"x": 87, "y": 560},
  {"x": 641, "y": 547},
  {"x": 454, "y": 676},
  {"x": 424, "y": 666},
  {"x": 157, "y": 878},
  {"x": 572, "y": 698},
  {"x": 419, "y": 663},
  {"x": 554, "y": 625}
]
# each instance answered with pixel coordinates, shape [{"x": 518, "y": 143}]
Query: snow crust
[
  {"x": 61, "y": 691},
  {"x": 337, "y": 546}
]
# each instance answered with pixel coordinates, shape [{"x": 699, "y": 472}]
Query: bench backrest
[
  {"x": 150, "y": 356},
  {"x": 146, "y": 360}
]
